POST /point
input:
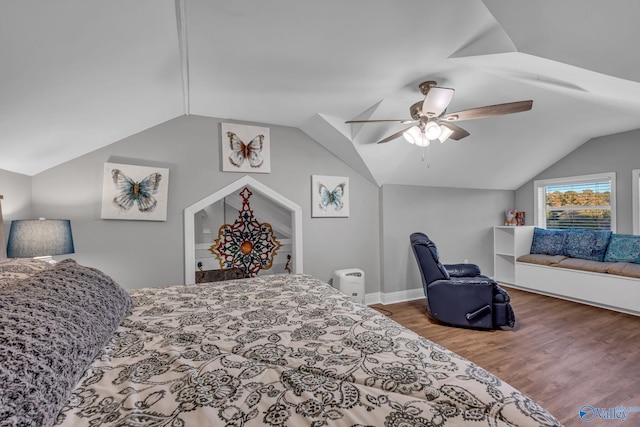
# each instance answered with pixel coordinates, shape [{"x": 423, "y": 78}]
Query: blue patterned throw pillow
[
  {"x": 587, "y": 244},
  {"x": 623, "y": 248},
  {"x": 548, "y": 242}
]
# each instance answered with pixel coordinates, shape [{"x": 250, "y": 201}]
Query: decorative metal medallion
[{"x": 247, "y": 243}]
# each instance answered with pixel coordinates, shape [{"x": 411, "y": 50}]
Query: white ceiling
[{"x": 79, "y": 75}]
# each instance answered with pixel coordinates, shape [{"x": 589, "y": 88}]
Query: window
[{"x": 586, "y": 202}]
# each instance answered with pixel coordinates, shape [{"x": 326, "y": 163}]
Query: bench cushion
[
  {"x": 627, "y": 269},
  {"x": 549, "y": 260},
  {"x": 585, "y": 265},
  {"x": 624, "y": 269}
]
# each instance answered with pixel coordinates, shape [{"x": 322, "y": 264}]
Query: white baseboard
[{"x": 393, "y": 297}]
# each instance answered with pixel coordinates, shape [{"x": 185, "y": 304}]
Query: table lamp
[{"x": 40, "y": 238}]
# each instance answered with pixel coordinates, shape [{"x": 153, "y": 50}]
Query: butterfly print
[
  {"x": 241, "y": 152},
  {"x": 131, "y": 192},
  {"x": 331, "y": 198}
]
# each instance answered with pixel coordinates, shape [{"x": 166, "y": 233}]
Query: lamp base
[{"x": 47, "y": 258}]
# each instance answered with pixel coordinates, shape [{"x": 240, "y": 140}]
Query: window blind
[{"x": 585, "y": 205}]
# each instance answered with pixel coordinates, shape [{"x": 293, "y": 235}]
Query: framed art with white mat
[
  {"x": 329, "y": 196},
  {"x": 134, "y": 192},
  {"x": 245, "y": 148}
]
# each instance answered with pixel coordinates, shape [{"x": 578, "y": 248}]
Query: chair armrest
[
  {"x": 462, "y": 270},
  {"x": 500, "y": 295}
]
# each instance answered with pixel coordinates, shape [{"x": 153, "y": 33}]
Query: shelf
[
  {"x": 504, "y": 254},
  {"x": 505, "y": 269},
  {"x": 503, "y": 240},
  {"x": 508, "y": 244}
]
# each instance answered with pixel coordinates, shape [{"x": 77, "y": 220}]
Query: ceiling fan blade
[
  {"x": 458, "y": 132},
  {"x": 394, "y": 136},
  {"x": 437, "y": 100},
  {"x": 405, "y": 121},
  {"x": 490, "y": 111}
]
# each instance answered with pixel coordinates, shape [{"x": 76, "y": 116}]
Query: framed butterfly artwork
[
  {"x": 245, "y": 148},
  {"x": 329, "y": 196},
  {"x": 134, "y": 192}
]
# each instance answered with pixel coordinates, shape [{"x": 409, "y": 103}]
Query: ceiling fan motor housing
[
  {"x": 425, "y": 86},
  {"x": 416, "y": 110}
]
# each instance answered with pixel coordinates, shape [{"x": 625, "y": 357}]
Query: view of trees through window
[{"x": 586, "y": 206}]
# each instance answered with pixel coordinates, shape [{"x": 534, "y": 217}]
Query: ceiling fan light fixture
[
  {"x": 413, "y": 135},
  {"x": 423, "y": 141},
  {"x": 432, "y": 130},
  {"x": 416, "y": 136},
  {"x": 446, "y": 133}
]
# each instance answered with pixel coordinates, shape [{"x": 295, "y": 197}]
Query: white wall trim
[
  {"x": 393, "y": 297},
  {"x": 635, "y": 199},
  {"x": 245, "y": 181}
]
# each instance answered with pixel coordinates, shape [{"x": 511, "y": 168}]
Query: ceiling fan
[{"x": 433, "y": 123}]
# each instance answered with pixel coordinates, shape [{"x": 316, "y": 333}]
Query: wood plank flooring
[{"x": 562, "y": 354}]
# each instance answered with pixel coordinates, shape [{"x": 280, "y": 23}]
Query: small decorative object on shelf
[
  {"x": 519, "y": 218},
  {"x": 287, "y": 266},
  {"x": 510, "y": 218},
  {"x": 207, "y": 276}
]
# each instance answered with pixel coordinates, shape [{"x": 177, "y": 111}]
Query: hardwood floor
[{"x": 562, "y": 354}]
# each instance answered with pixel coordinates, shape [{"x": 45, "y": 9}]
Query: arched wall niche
[{"x": 254, "y": 186}]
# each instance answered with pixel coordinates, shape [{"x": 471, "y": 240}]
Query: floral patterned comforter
[{"x": 283, "y": 350}]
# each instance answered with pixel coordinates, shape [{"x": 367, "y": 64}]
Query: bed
[{"x": 284, "y": 350}]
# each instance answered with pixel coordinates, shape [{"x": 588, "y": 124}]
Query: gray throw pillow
[
  {"x": 14, "y": 269},
  {"x": 52, "y": 326}
]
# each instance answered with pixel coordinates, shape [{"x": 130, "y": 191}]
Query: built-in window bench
[{"x": 611, "y": 285}]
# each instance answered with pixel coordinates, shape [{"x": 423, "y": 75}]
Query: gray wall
[
  {"x": 16, "y": 189},
  {"x": 144, "y": 253},
  {"x": 459, "y": 221},
  {"x": 619, "y": 153},
  {"x": 375, "y": 237}
]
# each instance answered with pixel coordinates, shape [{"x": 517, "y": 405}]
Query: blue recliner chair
[{"x": 458, "y": 294}]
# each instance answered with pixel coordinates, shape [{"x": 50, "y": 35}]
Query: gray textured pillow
[
  {"x": 14, "y": 269},
  {"x": 52, "y": 325}
]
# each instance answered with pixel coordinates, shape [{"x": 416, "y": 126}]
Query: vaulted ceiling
[{"x": 79, "y": 75}]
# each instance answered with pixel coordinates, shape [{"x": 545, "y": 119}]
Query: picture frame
[
  {"x": 329, "y": 196},
  {"x": 245, "y": 148},
  {"x": 131, "y": 192}
]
